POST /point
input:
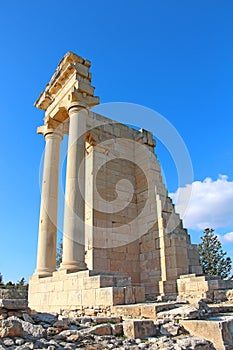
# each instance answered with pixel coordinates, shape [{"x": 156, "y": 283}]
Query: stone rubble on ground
[{"x": 25, "y": 330}]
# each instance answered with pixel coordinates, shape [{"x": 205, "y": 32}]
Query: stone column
[
  {"x": 73, "y": 258},
  {"x": 46, "y": 256}
]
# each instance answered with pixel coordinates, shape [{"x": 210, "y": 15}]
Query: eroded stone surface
[
  {"x": 139, "y": 328},
  {"x": 11, "y": 328},
  {"x": 14, "y": 304},
  {"x": 187, "y": 312}
]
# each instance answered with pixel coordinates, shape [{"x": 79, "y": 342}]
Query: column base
[
  {"x": 73, "y": 266},
  {"x": 44, "y": 272}
]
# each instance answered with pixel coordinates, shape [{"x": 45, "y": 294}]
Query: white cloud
[
  {"x": 228, "y": 237},
  {"x": 211, "y": 204}
]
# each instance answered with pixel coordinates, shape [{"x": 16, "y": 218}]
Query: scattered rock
[
  {"x": 139, "y": 328},
  {"x": 45, "y": 317},
  {"x": 194, "y": 343},
  {"x": 102, "y": 329},
  {"x": 91, "y": 312},
  {"x": 36, "y": 331},
  {"x": 93, "y": 347},
  {"x": 27, "y": 318},
  {"x": 62, "y": 324},
  {"x": 106, "y": 319},
  {"x": 19, "y": 341},
  {"x": 73, "y": 327},
  {"x": 65, "y": 334},
  {"x": 170, "y": 329},
  {"x": 11, "y": 328},
  {"x": 8, "y": 342},
  {"x": 3, "y": 314},
  {"x": 85, "y": 320},
  {"x": 117, "y": 329},
  {"x": 52, "y": 332},
  {"x": 229, "y": 294}
]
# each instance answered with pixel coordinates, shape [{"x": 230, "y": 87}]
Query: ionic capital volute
[{"x": 48, "y": 131}]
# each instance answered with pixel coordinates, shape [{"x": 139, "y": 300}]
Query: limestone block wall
[
  {"x": 192, "y": 287},
  {"x": 131, "y": 224},
  {"x": 150, "y": 263},
  {"x": 111, "y": 203},
  {"x": 82, "y": 289},
  {"x": 194, "y": 265}
]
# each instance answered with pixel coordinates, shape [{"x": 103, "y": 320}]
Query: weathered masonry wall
[
  {"x": 129, "y": 240},
  {"x": 82, "y": 289}
]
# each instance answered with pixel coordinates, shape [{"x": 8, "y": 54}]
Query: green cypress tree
[{"x": 212, "y": 258}]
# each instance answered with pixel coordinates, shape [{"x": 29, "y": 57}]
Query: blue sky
[{"x": 174, "y": 57}]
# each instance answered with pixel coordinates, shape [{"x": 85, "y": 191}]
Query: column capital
[
  {"x": 76, "y": 106},
  {"x": 44, "y": 130}
]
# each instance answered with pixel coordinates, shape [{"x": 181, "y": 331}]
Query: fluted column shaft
[
  {"x": 46, "y": 256},
  {"x": 73, "y": 258}
]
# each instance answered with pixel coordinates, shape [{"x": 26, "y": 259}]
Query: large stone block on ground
[
  {"x": 30, "y": 329},
  {"x": 127, "y": 310},
  {"x": 194, "y": 343},
  {"x": 151, "y": 310},
  {"x": 139, "y": 328},
  {"x": 14, "y": 304},
  {"x": 217, "y": 329},
  {"x": 187, "y": 312},
  {"x": 103, "y": 329},
  {"x": 45, "y": 317},
  {"x": 145, "y": 310},
  {"x": 11, "y": 328}
]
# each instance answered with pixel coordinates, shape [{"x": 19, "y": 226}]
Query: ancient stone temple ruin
[{"x": 123, "y": 243}]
